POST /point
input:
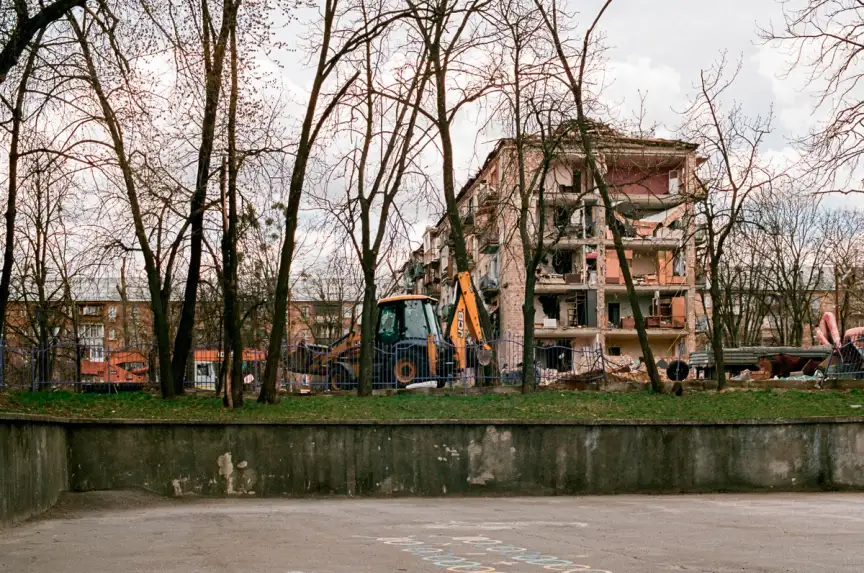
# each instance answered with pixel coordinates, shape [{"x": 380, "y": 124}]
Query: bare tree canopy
[{"x": 824, "y": 40}]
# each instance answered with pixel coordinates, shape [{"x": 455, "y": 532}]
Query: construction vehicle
[{"x": 410, "y": 347}]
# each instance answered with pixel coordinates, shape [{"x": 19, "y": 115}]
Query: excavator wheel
[{"x": 405, "y": 371}]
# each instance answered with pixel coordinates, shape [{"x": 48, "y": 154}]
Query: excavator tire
[
  {"x": 405, "y": 370},
  {"x": 677, "y": 370}
]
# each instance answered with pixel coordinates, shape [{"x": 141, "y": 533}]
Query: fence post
[
  {"x": 33, "y": 370},
  {"x": 602, "y": 361}
]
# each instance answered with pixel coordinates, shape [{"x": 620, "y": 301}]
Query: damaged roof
[{"x": 606, "y": 136}]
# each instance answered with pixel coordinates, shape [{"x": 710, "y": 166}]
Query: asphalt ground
[{"x": 131, "y": 532}]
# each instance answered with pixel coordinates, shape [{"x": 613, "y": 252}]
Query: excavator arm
[{"x": 465, "y": 323}]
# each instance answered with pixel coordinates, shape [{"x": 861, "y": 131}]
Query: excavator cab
[{"x": 410, "y": 348}]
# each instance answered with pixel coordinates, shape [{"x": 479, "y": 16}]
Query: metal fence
[
  {"x": 847, "y": 361},
  {"x": 302, "y": 367}
]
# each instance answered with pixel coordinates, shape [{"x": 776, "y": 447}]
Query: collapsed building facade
[{"x": 580, "y": 296}]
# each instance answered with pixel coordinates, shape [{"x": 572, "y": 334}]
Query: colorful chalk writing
[{"x": 442, "y": 555}]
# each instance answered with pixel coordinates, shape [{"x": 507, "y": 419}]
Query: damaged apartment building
[{"x": 580, "y": 298}]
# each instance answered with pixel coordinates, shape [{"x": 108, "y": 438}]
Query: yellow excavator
[{"x": 410, "y": 347}]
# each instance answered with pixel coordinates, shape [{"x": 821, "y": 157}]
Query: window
[
  {"x": 90, "y": 310},
  {"x": 304, "y": 311},
  {"x": 112, "y": 334},
  {"x": 415, "y": 320},
  {"x": 112, "y": 313},
  {"x": 431, "y": 319},
  {"x": 614, "y": 351},
  {"x": 348, "y": 311},
  {"x": 577, "y": 181},
  {"x": 615, "y": 315},
  {"x": 97, "y": 354},
  {"x": 674, "y": 181},
  {"x": 562, "y": 218},
  {"x": 135, "y": 311},
  {"x": 679, "y": 265},
  {"x": 388, "y": 325},
  {"x": 92, "y": 332},
  {"x": 202, "y": 370},
  {"x": 494, "y": 270},
  {"x": 562, "y": 262}
]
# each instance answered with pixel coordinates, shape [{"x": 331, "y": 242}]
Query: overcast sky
[{"x": 659, "y": 47}]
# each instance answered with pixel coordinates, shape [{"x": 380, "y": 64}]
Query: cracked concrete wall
[
  {"x": 33, "y": 469},
  {"x": 464, "y": 458},
  {"x": 40, "y": 459}
]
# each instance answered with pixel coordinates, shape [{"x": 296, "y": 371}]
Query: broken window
[
  {"x": 679, "y": 265},
  {"x": 624, "y": 229},
  {"x": 551, "y": 306},
  {"x": 589, "y": 222},
  {"x": 562, "y": 262},
  {"x": 561, "y": 218},
  {"x": 578, "y": 315},
  {"x": 614, "y": 351},
  {"x": 575, "y": 183},
  {"x": 614, "y": 314}
]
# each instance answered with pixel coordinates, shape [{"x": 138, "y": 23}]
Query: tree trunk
[
  {"x": 28, "y": 26},
  {"x": 233, "y": 339},
  {"x": 717, "y": 325},
  {"x": 641, "y": 331},
  {"x": 124, "y": 305},
  {"x": 160, "y": 323},
  {"x": 528, "y": 381},
  {"x": 11, "y": 198},
  {"x": 213, "y": 86},
  {"x": 457, "y": 233},
  {"x": 367, "y": 336}
]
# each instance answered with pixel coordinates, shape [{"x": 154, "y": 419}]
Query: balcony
[
  {"x": 431, "y": 277},
  {"x": 488, "y": 240},
  {"x": 487, "y": 197},
  {"x": 489, "y": 284},
  {"x": 665, "y": 314},
  {"x": 468, "y": 218}
]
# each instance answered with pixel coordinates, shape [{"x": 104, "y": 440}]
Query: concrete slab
[{"x": 133, "y": 532}]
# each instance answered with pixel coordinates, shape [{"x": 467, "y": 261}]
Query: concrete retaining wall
[
  {"x": 465, "y": 458},
  {"x": 41, "y": 458},
  {"x": 33, "y": 468}
]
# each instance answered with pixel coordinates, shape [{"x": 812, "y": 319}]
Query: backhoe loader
[{"x": 410, "y": 347}]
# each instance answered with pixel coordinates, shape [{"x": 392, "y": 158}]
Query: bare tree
[
  {"x": 824, "y": 39},
  {"x": 734, "y": 169},
  {"x": 114, "y": 124},
  {"x": 214, "y": 45},
  {"x": 793, "y": 254},
  {"x": 535, "y": 114},
  {"x": 385, "y": 142},
  {"x": 47, "y": 257},
  {"x": 17, "y": 122},
  {"x": 453, "y": 33},
  {"x": 340, "y": 35},
  {"x": 576, "y": 83},
  {"x": 844, "y": 236},
  {"x": 21, "y": 24},
  {"x": 743, "y": 299}
]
